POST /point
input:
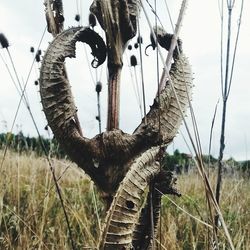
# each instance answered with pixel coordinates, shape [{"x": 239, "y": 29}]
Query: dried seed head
[
  {"x": 133, "y": 61},
  {"x": 77, "y": 17},
  {"x": 139, "y": 39},
  {"x": 98, "y": 87},
  {"x": 4, "y": 41},
  {"x": 153, "y": 43},
  {"x": 92, "y": 20},
  {"x": 38, "y": 59}
]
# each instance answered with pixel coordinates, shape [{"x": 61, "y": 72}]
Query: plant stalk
[{"x": 223, "y": 122}]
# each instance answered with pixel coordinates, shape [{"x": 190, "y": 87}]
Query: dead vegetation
[{"x": 32, "y": 218}]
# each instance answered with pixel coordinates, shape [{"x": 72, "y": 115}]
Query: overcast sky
[{"x": 23, "y": 23}]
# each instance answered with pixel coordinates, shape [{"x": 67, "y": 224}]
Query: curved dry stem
[
  {"x": 166, "y": 106},
  {"x": 105, "y": 157},
  {"x": 125, "y": 209}
]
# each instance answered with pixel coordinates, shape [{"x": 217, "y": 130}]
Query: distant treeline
[
  {"x": 182, "y": 162},
  {"x": 182, "y": 159},
  {"x": 20, "y": 143},
  {"x": 179, "y": 162}
]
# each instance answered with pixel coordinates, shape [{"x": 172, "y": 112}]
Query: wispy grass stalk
[
  {"x": 225, "y": 94},
  {"x": 5, "y": 44}
]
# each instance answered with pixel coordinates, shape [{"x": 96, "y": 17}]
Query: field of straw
[{"x": 31, "y": 216}]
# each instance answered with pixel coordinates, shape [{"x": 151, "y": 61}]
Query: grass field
[{"x": 31, "y": 216}]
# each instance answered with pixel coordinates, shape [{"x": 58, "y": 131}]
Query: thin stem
[
  {"x": 138, "y": 92},
  {"x": 99, "y": 113},
  {"x": 173, "y": 44},
  {"x": 17, "y": 78},
  {"x": 21, "y": 99},
  {"x": 159, "y": 112},
  {"x": 198, "y": 161},
  {"x": 169, "y": 15},
  {"x": 223, "y": 122},
  {"x": 142, "y": 76},
  {"x": 137, "y": 95},
  {"x": 114, "y": 99},
  {"x": 221, "y": 46},
  {"x": 10, "y": 74},
  {"x": 184, "y": 211},
  {"x": 211, "y": 136},
  {"x": 235, "y": 48},
  {"x": 151, "y": 189},
  {"x": 96, "y": 208},
  {"x": 40, "y": 140}
]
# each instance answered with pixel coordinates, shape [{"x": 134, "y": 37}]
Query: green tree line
[
  {"x": 179, "y": 162},
  {"x": 182, "y": 162},
  {"x": 20, "y": 143}
]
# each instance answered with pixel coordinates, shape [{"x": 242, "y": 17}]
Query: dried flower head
[
  {"x": 4, "y": 41},
  {"x": 139, "y": 39},
  {"x": 77, "y": 17},
  {"x": 38, "y": 58},
  {"x": 98, "y": 87}
]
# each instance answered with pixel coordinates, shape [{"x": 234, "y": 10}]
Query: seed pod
[
  {"x": 133, "y": 61},
  {"x": 98, "y": 87},
  {"x": 139, "y": 39},
  {"x": 77, "y": 17},
  {"x": 4, "y": 41},
  {"x": 38, "y": 59},
  {"x": 92, "y": 20},
  {"x": 153, "y": 43}
]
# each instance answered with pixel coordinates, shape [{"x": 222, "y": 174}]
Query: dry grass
[
  {"x": 31, "y": 220},
  {"x": 183, "y": 232}
]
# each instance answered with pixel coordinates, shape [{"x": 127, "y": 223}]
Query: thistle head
[
  {"x": 4, "y": 41},
  {"x": 77, "y": 17},
  {"x": 98, "y": 87}
]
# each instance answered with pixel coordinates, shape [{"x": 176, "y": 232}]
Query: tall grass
[
  {"x": 39, "y": 222},
  {"x": 183, "y": 232}
]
